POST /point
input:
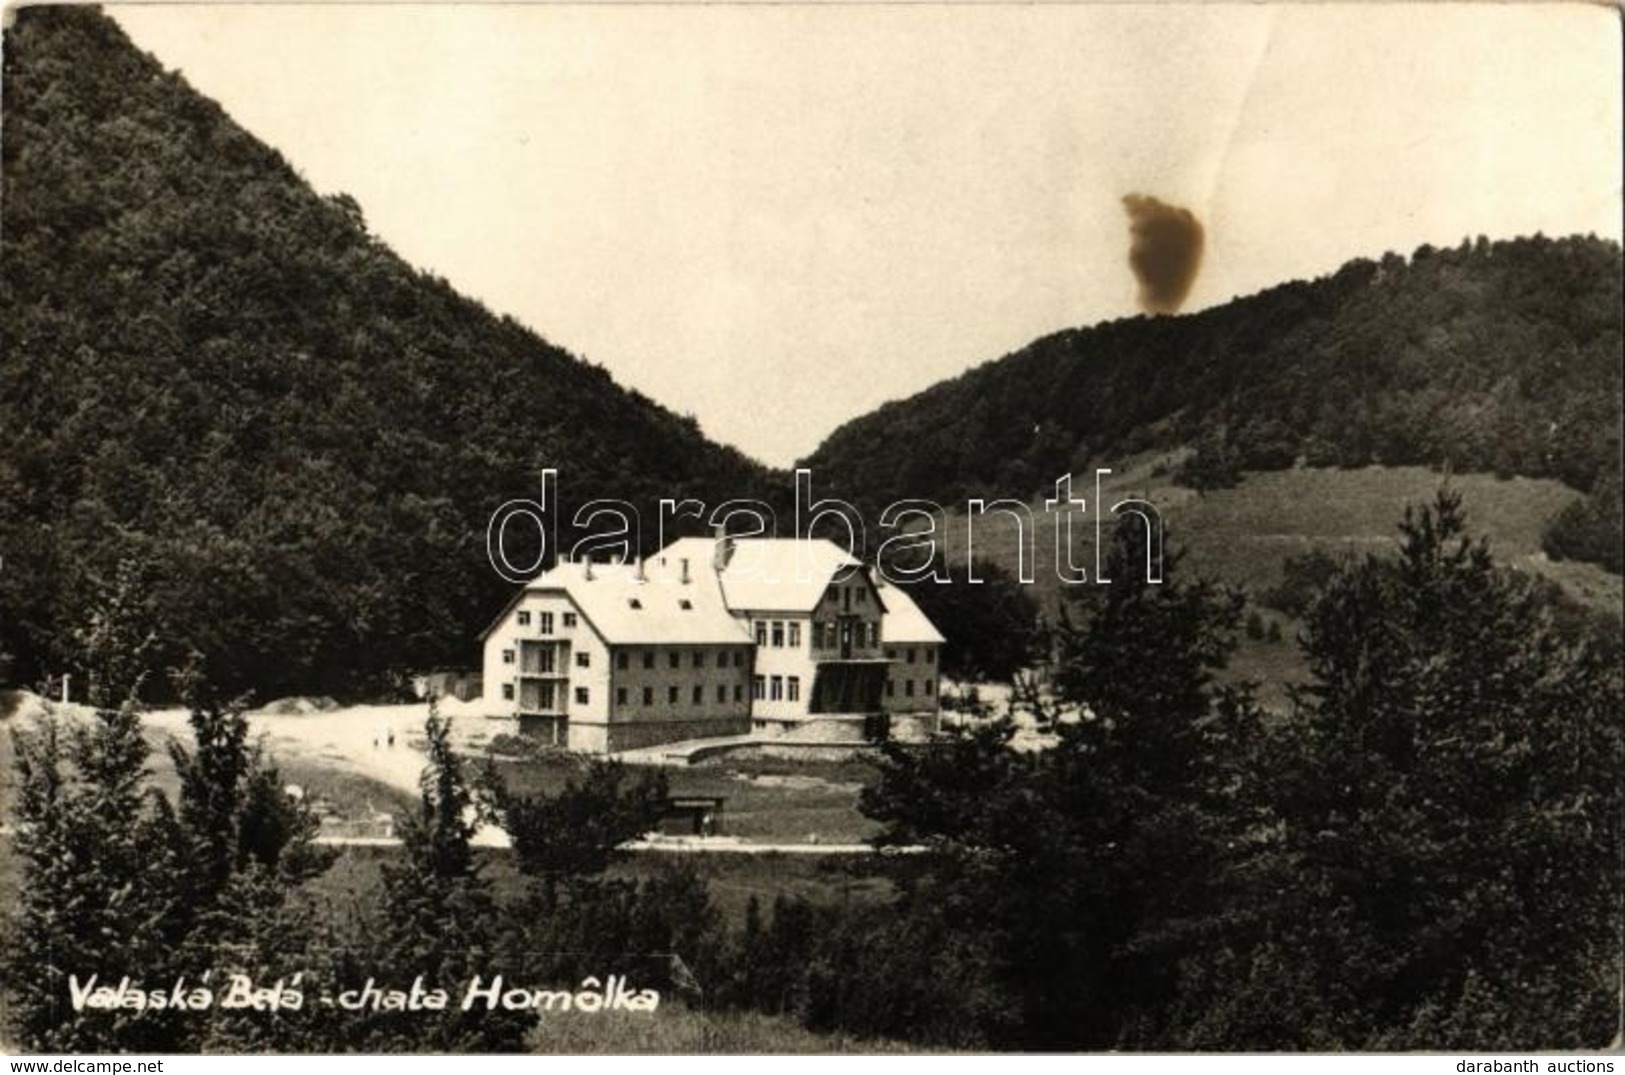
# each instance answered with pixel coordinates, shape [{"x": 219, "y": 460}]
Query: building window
[
  {"x": 863, "y": 596},
  {"x": 583, "y": 659},
  {"x": 524, "y": 619},
  {"x": 648, "y": 658},
  {"x": 581, "y": 696},
  {"x": 699, "y": 659},
  {"x": 908, "y": 687},
  {"x": 758, "y": 687},
  {"x": 911, "y": 656},
  {"x": 547, "y": 623},
  {"x": 778, "y": 634},
  {"x": 794, "y": 687},
  {"x": 930, "y": 686},
  {"x": 795, "y": 635},
  {"x": 672, "y": 658},
  {"x": 891, "y": 655},
  {"x": 722, "y": 658},
  {"x": 507, "y": 656},
  {"x": 569, "y": 619},
  {"x": 620, "y": 659},
  {"x": 648, "y": 696},
  {"x": 891, "y": 688},
  {"x": 671, "y": 695},
  {"x": 739, "y": 692},
  {"x": 620, "y": 695},
  {"x": 507, "y": 692},
  {"x": 697, "y": 696},
  {"x": 739, "y": 658},
  {"x": 776, "y": 689},
  {"x": 930, "y": 655}
]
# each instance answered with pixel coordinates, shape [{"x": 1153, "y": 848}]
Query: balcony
[{"x": 543, "y": 660}]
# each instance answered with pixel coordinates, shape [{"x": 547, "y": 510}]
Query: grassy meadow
[{"x": 1243, "y": 535}]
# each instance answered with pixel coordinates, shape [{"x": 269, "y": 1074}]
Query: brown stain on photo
[{"x": 1165, "y": 251}]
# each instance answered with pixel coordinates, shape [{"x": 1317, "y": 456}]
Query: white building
[{"x": 712, "y": 637}]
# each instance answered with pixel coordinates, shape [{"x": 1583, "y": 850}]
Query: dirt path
[{"x": 356, "y": 739}]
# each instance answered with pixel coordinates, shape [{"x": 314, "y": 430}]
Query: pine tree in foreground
[
  {"x": 1443, "y": 870},
  {"x": 440, "y": 922}
]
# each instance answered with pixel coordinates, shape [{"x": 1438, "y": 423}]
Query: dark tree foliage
[
  {"x": 1068, "y": 879},
  {"x": 575, "y": 832},
  {"x": 992, "y": 627},
  {"x": 1441, "y": 866},
  {"x": 1590, "y": 528},
  {"x": 1214, "y": 463},
  {"x": 659, "y": 932},
  {"x": 572, "y": 922},
  {"x": 95, "y": 895},
  {"x": 213, "y": 372},
  {"x": 1303, "y": 579},
  {"x": 1491, "y": 357},
  {"x": 116, "y": 881},
  {"x": 440, "y": 922}
]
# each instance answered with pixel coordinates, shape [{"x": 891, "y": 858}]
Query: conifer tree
[
  {"x": 440, "y": 920},
  {"x": 1072, "y": 878},
  {"x": 95, "y": 894},
  {"x": 1443, "y": 871},
  {"x": 117, "y": 882}
]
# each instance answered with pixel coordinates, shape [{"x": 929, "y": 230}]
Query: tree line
[
  {"x": 1490, "y": 356},
  {"x": 1424, "y": 853},
  {"x": 217, "y": 374}
]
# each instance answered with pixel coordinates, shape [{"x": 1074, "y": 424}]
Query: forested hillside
[
  {"x": 1496, "y": 357},
  {"x": 291, "y": 438}
]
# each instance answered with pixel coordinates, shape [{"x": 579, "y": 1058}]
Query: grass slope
[{"x": 1243, "y": 535}]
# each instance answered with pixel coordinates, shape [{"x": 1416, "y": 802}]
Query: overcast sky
[{"x": 776, "y": 218}]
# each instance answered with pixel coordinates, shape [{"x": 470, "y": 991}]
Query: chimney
[
  {"x": 685, "y": 571},
  {"x": 587, "y": 562},
  {"x": 639, "y": 573},
  {"x": 724, "y": 548}
]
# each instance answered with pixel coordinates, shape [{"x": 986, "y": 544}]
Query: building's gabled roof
[
  {"x": 652, "y": 605},
  {"x": 903, "y": 621},
  {"x": 758, "y": 575},
  {"x": 770, "y": 574}
]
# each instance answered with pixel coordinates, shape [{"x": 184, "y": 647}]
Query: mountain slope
[
  {"x": 291, "y": 438},
  {"x": 1500, "y": 357}
]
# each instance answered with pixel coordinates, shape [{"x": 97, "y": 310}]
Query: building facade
[{"x": 710, "y": 637}]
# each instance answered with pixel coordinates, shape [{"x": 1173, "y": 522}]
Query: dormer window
[
  {"x": 685, "y": 604},
  {"x": 634, "y": 602}
]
